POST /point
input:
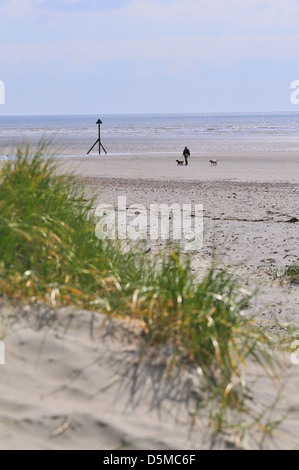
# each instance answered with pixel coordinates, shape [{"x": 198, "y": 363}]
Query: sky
[{"x": 148, "y": 56}]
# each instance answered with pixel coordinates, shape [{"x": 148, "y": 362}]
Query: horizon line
[{"x": 151, "y": 113}]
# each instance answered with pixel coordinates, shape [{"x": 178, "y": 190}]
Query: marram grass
[{"x": 49, "y": 252}]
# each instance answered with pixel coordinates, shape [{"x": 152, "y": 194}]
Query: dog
[
  {"x": 180, "y": 162},
  {"x": 213, "y": 162}
]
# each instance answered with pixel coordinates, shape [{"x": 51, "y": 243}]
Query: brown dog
[{"x": 180, "y": 162}]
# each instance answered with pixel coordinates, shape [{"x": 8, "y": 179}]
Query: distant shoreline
[{"x": 142, "y": 133}]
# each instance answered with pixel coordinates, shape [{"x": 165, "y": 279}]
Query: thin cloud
[
  {"x": 147, "y": 19},
  {"x": 176, "y": 50},
  {"x": 80, "y": 5},
  {"x": 253, "y": 14}
]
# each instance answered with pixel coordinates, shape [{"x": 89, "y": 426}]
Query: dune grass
[
  {"x": 292, "y": 272},
  {"x": 49, "y": 252}
]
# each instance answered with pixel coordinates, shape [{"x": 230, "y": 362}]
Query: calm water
[{"x": 159, "y": 133}]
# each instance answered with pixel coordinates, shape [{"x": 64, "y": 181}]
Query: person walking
[{"x": 186, "y": 155}]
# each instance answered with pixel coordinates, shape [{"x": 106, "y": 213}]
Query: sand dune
[{"x": 73, "y": 381}]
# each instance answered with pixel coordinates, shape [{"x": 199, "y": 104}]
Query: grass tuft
[{"x": 49, "y": 251}]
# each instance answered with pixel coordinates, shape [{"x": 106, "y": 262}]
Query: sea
[{"x": 157, "y": 133}]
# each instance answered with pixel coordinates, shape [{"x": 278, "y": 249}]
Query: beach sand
[
  {"x": 72, "y": 381},
  {"x": 245, "y": 166},
  {"x": 248, "y": 203},
  {"x": 64, "y": 369}
]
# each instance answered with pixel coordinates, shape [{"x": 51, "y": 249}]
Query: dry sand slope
[{"x": 71, "y": 381}]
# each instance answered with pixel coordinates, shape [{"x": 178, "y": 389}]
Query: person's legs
[{"x": 186, "y": 159}]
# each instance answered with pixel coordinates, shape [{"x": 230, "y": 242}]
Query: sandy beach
[
  {"x": 66, "y": 382},
  {"x": 147, "y": 302},
  {"x": 243, "y": 166},
  {"x": 72, "y": 381},
  {"x": 248, "y": 203}
]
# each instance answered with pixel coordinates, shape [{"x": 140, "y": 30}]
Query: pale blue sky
[{"x": 148, "y": 56}]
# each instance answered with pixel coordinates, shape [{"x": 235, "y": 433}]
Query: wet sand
[{"x": 259, "y": 166}]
